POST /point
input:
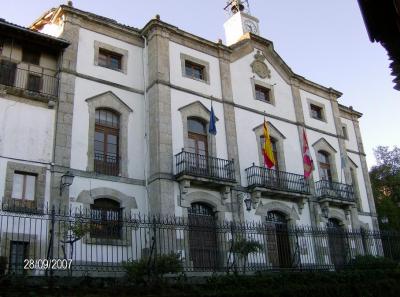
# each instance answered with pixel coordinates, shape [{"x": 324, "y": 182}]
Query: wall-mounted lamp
[
  {"x": 66, "y": 180},
  {"x": 384, "y": 220},
  {"x": 248, "y": 203},
  {"x": 325, "y": 212}
]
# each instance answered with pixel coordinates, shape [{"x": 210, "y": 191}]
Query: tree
[
  {"x": 385, "y": 181},
  {"x": 244, "y": 247}
]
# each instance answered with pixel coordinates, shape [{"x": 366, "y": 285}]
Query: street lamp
[{"x": 66, "y": 180}]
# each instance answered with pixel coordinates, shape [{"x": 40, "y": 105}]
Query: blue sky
[{"x": 325, "y": 41}]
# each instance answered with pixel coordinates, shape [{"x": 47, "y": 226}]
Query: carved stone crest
[{"x": 259, "y": 67}]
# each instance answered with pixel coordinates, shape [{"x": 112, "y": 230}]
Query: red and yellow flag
[{"x": 268, "y": 154}]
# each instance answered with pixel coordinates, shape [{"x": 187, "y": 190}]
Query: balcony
[
  {"x": 276, "y": 183},
  {"x": 204, "y": 168},
  {"x": 18, "y": 81},
  {"x": 335, "y": 192},
  {"x": 106, "y": 164}
]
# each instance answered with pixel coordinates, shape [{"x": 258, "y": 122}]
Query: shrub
[
  {"x": 373, "y": 262},
  {"x": 153, "y": 269}
]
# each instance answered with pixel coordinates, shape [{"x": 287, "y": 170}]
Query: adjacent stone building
[{"x": 130, "y": 120}]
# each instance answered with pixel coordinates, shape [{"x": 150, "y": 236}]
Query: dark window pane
[
  {"x": 262, "y": 93},
  {"x": 112, "y": 139},
  {"x": 31, "y": 56},
  {"x": 196, "y": 126},
  {"x": 34, "y": 83},
  {"x": 110, "y": 59},
  {"x": 99, "y": 136},
  {"x": 18, "y": 253},
  {"x": 194, "y": 70},
  {"x": 316, "y": 112}
]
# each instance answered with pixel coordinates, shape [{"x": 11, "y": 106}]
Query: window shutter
[
  {"x": 18, "y": 185},
  {"x": 30, "y": 187}
]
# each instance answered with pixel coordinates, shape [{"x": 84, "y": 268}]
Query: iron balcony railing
[
  {"x": 23, "y": 79},
  {"x": 106, "y": 164},
  {"x": 276, "y": 180},
  {"x": 204, "y": 166},
  {"x": 334, "y": 190}
]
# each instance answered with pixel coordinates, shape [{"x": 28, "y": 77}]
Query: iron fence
[
  {"x": 204, "y": 166},
  {"x": 81, "y": 242},
  {"x": 276, "y": 180},
  {"x": 30, "y": 81}
]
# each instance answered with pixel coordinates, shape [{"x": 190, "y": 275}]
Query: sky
[{"x": 324, "y": 41}]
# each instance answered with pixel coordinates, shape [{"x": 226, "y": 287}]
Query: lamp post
[{"x": 66, "y": 180}]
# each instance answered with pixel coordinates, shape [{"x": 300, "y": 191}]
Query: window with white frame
[{"x": 24, "y": 186}]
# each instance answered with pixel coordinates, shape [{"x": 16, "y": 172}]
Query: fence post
[{"x": 50, "y": 250}]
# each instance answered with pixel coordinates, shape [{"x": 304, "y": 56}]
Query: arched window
[
  {"x": 106, "y": 142},
  {"x": 274, "y": 144},
  {"x": 106, "y": 217},
  {"x": 197, "y": 136},
  {"x": 324, "y": 166}
]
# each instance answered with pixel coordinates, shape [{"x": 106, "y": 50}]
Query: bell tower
[{"x": 240, "y": 21}]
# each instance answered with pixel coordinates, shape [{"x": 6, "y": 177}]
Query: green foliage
[
  {"x": 149, "y": 270},
  {"x": 385, "y": 181},
  {"x": 245, "y": 247},
  {"x": 372, "y": 262}
]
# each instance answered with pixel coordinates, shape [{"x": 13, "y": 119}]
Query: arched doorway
[
  {"x": 202, "y": 236},
  {"x": 106, "y": 219},
  {"x": 278, "y": 243},
  {"x": 337, "y": 243}
]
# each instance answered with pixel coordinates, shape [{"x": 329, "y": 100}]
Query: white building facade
[{"x": 131, "y": 122}]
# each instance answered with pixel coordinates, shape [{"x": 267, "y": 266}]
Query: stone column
[
  {"x": 64, "y": 113},
  {"x": 160, "y": 179},
  {"x": 355, "y": 223},
  {"x": 230, "y": 126},
  {"x": 367, "y": 181},
  {"x": 312, "y": 201}
]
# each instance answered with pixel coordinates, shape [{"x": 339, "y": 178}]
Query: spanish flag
[{"x": 268, "y": 154}]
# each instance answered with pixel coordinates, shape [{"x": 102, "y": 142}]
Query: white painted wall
[
  {"x": 329, "y": 125},
  {"x": 313, "y": 137},
  {"x": 85, "y": 89},
  {"x": 85, "y": 60},
  {"x": 26, "y": 131},
  {"x": 351, "y": 142},
  {"x": 246, "y": 121},
  {"x": 176, "y": 77},
  {"x": 361, "y": 182},
  {"x": 180, "y": 99},
  {"x": 85, "y": 184},
  {"x": 241, "y": 74}
]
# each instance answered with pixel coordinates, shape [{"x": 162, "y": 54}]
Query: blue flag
[{"x": 212, "y": 128}]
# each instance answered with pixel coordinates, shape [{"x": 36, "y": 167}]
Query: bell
[{"x": 237, "y": 6}]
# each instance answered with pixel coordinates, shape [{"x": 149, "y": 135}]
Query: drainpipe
[{"x": 145, "y": 114}]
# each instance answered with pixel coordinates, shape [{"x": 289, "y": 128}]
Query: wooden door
[
  {"x": 202, "y": 237},
  {"x": 198, "y": 146},
  {"x": 8, "y": 71},
  {"x": 279, "y": 250},
  {"x": 337, "y": 243}
]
